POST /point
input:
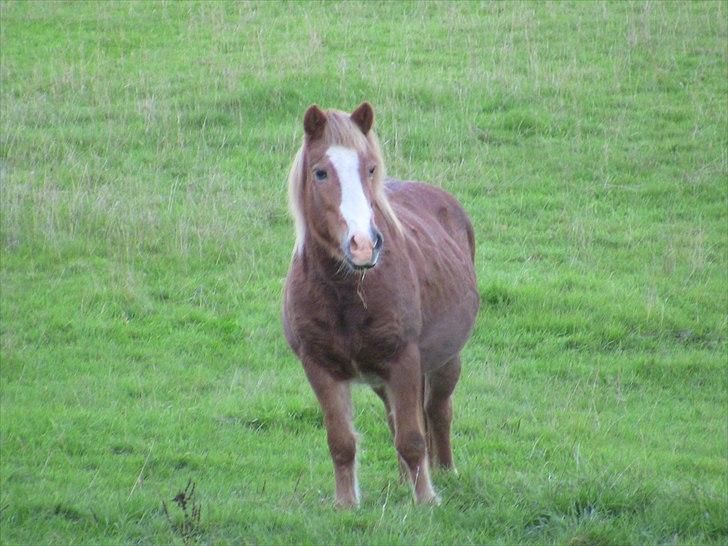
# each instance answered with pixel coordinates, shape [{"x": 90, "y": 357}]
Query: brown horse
[{"x": 381, "y": 289}]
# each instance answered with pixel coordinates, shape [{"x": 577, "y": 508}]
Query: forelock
[{"x": 340, "y": 130}]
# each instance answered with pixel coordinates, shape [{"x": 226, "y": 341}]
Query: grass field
[{"x": 144, "y": 149}]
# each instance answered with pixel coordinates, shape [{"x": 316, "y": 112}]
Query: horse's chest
[{"x": 353, "y": 342}]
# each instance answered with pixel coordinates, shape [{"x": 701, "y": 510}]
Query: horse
[{"x": 381, "y": 289}]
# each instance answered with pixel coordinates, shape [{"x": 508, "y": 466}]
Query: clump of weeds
[{"x": 189, "y": 528}]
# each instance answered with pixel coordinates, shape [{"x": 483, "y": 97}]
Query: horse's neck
[{"x": 321, "y": 265}]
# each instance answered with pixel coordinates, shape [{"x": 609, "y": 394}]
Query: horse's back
[
  {"x": 442, "y": 248},
  {"x": 422, "y": 199}
]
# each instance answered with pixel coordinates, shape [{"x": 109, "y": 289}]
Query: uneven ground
[{"x": 144, "y": 149}]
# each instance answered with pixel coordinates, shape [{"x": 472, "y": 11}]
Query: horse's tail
[{"x": 471, "y": 239}]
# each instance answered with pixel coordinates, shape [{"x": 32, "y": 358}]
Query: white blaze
[{"x": 354, "y": 205}]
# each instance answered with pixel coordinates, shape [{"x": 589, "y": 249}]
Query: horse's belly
[{"x": 447, "y": 328}]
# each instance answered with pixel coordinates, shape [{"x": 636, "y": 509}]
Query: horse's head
[{"x": 336, "y": 185}]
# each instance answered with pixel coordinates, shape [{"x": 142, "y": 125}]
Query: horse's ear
[
  {"x": 363, "y": 116},
  {"x": 314, "y": 121}
]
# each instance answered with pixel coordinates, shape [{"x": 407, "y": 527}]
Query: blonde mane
[{"x": 342, "y": 131}]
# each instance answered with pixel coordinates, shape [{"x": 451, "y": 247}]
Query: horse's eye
[
  {"x": 320, "y": 175},
  {"x": 371, "y": 170}
]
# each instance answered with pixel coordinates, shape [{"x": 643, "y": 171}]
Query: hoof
[
  {"x": 346, "y": 503},
  {"x": 447, "y": 469},
  {"x": 430, "y": 500}
]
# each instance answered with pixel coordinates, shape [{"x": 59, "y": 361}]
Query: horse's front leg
[
  {"x": 382, "y": 394},
  {"x": 404, "y": 390},
  {"x": 335, "y": 399}
]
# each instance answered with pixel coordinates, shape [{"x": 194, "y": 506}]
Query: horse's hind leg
[
  {"x": 335, "y": 399},
  {"x": 438, "y": 411},
  {"x": 382, "y": 393}
]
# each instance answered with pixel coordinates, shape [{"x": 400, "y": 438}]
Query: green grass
[{"x": 144, "y": 150}]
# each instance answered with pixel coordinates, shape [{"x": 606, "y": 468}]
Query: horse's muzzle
[{"x": 362, "y": 250}]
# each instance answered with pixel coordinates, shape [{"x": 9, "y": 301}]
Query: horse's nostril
[
  {"x": 353, "y": 246},
  {"x": 377, "y": 240},
  {"x": 358, "y": 242}
]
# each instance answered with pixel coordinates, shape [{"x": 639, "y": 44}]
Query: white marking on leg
[{"x": 354, "y": 207}]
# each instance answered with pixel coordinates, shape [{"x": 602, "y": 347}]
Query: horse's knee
[
  {"x": 411, "y": 447},
  {"x": 343, "y": 449}
]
